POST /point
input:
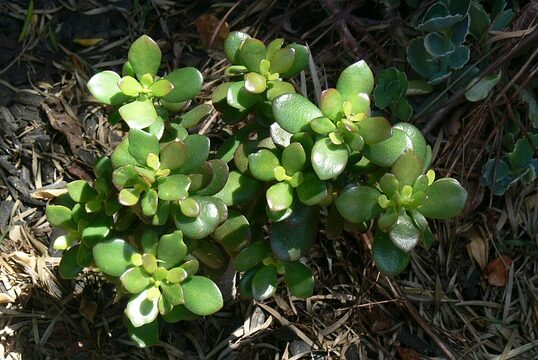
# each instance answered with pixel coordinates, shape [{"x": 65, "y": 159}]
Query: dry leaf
[
  {"x": 207, "y": 25},
  {"x": 60, "y": 120},
  {"x": 87, "y": 42},
  {"x": 498, "y": 270},
  {"x": 46, "y": 194},
  {"x": 24, "y": 259},
  {"x": 408, "y": 354},
  {"x": 478, "y": 248},
  {"x": 5, "y": 298}
]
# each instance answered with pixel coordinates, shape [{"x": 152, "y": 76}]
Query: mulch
[{"x": 474, "y": 295}]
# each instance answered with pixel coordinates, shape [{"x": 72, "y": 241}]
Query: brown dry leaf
[
  {"x": 46, "y": 194},
  {"x": 498, "y": 270},
  {"x": 478, "y": 248},
  {"x": 87, "y": 42},
  {"x": 6, "y": 298},
  {"x": 207, "y": 25},
  {"x": 60, "y": 120},
  {"x": 24, "y": 259},
  {"x": 408, "y": 354}
]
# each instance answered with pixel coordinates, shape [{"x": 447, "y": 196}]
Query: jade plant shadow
[{"x": 164, "y": 213}]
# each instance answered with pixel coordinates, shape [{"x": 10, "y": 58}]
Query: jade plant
[{"x": 166, "y": 214}]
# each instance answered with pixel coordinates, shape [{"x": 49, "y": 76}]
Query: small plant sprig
[{"x": 164, "y": 212}]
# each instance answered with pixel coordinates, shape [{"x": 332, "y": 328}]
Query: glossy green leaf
[
  {"x": 104, "y": 87},
  {"x": 174, "y": 155},
  {"x": 419, "y": 143},
  {"x": 290, "y": 239},
  {"x": 251, "y": 255},
  {"x": 173, "y": 293},
  {"x": 359, "y": 203},
  {"x": 234, "y": 233},
  {"x": 279, "y": 196},
  {"x": 446, "y": 198},
  {"x": 140, "y": 310},
  {"x": 419, "y": 58},
  {"x": 232, "y": 44},
  {"x": 113, "y": 257},
  {"x": 404, "y": 234},
  {"x": 161, "y": 87},
  {"x": 356, "y": 78},
  {"x": 150, "y": 202},
  {"x": 220, "y": 172},
  {"x": 69, "y": 267},
  {"x": 331, "y": 104},
  {"x": 275, "y": 88},
  {"x": 328, "y": 160},
  {"x": 293, "y": 112},
  {"x": 322, "y": 125},
  {"x": 135, "y": 280},
  {"x": 176, "y": 275},
  {"x": 96, "y": 230},
  {"x": 139, "y": 114},
  {"x": 293, "y": 158},
  {"x": 198, "y": 150},
  {"x": 146, "y": 335},
  {"x": 312, "y": 190},
  {"x": 389, "y": 184},
  {"x": 479, "y": 88},
  {"x": 386, "y": 152},
  {"x": 299, "y": 279},
  {"x": 251, "y": 53},
  {"x": 130, "y": 86},
  {"x": 264, "y": 283},
  {"x": 202, "y": 225},
  {"x": 171, "y": 249},
  {"x": 174, "y": 187},
  {"x": 211, "y": 255},
  {"x": 193, "y": 117},
  {"x": 187, "y": 84},
  {"x": 255, "y": 83},
  {"x": 262, "y": 164},
  {"x": 125, "y": 176},
  {"x": 239, "y": 97},
  {"x": 145, "y": 56},
  {"x": 239, "y": 189},
  {"x": 60, "y": 216},
  {"x": 121, "y": 156},
  {"x": 302, "y": 55},
  {"x": 388, "y": 258},
  {"x": 141, "y": 144},
  {"x": 202, "y": 296},
  {"x": 375, "y": 129},
  {"x": 149, "y": 241},
  {"x": 282, "y": 60},
  {"x": 437, "y": 44},
  {"x": 407, "y": 168}
]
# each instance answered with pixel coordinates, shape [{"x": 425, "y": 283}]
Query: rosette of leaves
[
  {"x": 520, "y": 164},
  {"x": 262, "y": 71},
  {"x": 390, "y": 91},
  {"x": 401, "y": 201},
  {"x": 143, "y": 98},
  {"x": 160, "y": 278},
  {"x": 342, "y": 125},
  {"x": 442, "y": 50},
  {"x": 171, "y": 179},
  {"x": 264, "y": 261},
  {"x": 85, "y": 213}
]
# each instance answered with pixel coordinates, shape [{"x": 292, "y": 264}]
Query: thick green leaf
[
  {"x": 389, "y": 184},
  {"x": 262, "y": 164},
  {"x": 149, "y": 242},
  {"x": 198, "y": 150},
  {"x": 187, "y": 83},
  {"x": 387, "y": 257},
  {"x": 419, "y": 58},
  {"x": 302, "y": 55},
  {"x": 239, "y": 97},
  {"x": 174, "y": 155},
  {"x": 290, "y": 239},
  {"x": 178, "y": 313},
  {"x": 232, "y": 44},
  {"x": 275, "y": 88},
  {"x": 69, "y": 267},
  {"x": 264, "y": 283},
  {"x": 293, "y": 158},
  {"x": 234, "y": 233},
  {"x": 171, "y": 249},
  {"x": 135, "y": 280},
  {"x": 446, "y": 198},
  {"x": 251, "y": 53},
  {"x": 60, "y": 216},
  {"x": 419, "y": 143},
  {"x": 220, "y": 172},
  {"x": 211, "y": 255},
  {"x": 202, "y": 225},
  {"x": 293, "y": 112},
  {"x": 255, "y": 83},
  {"x": 139, "y": 114},
  {"x": 375, "y": 129},
  {"x": 121, "y": 156},
  {"x": 279, "y": 196},
  {"x": 145, "y": 56},
  {"x": 193, "y": 117},
  {"x": 479, "y": 88},
  {"x": 356, "y": 78},
  {"x": 312, "y": 190},
  {"x": 141, "y": 144},
  {"x": 299, "y": 279},
  {"x": 322, "y": 125},
  {"x": 202, "y": 296},
  {"x": 404, "y": 234},
  {"x": 173, "y": 293},
  {"x": 104, "y": 87},
  {"x": 161, "y": 87},
  {"x": 328, "y": 160},
  {"x": 331, "y": 104},
  {"x": 251, "y": 255},
  {"x": 146, "y": 335},
  {"x": 174, "y": 187},
  {"x": 239, "y": 189},
  {"x": 113, "y": 257},
  {"x": 407, "y": 168},
  {"x": 140, "y": 310},
  {"x": 96, "y": 230},
  {"x": 359, "y": 204},
  {"x": 386, "y": 152},
  {"x": 130, "y": 86},
  {"x": 150, "y": 202},
  {"x": 437, "y": 44},
  {"x": 282, "y": 60}
]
